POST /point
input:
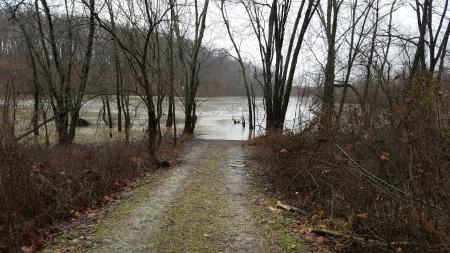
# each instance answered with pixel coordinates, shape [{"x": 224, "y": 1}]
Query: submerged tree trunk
[
  {"x": 190, "y": 63},
  {"x": 248, "y": 90},
  {"x": 108, "y": 113},
  {"x": 125, "y": 101},
  {"x": 78, "y": 95},
  {"x": 159, "y": 115},
  {"x": 174, "y": 126},
  {"x": 190, "y": 118},
  {"x": 119, "y": 106},
  {"x": 170, "y": 80},
  {"x": 278, "y": 59},
  {"x": 67, "y": 100},
  {"x": 169, "y": 121}
]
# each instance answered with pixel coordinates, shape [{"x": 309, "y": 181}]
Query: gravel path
[{"x": 201, "y": 205}]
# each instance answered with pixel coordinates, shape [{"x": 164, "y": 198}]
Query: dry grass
[{"x": 39, "y": 187}]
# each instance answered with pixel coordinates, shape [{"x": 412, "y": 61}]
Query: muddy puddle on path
[{"x": 201, "y": 205}]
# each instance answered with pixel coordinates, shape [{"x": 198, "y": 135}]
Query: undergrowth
[
  {"x": 39, "y": 187},
  {"x": 382, "y": 183}
]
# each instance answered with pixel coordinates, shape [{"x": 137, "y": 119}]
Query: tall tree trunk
[
  {"x": 36, "y": 96},
  {"x": 125, "y": 101},
  {"x": 193, "y": 80},
  {"x": 67, "y": 102},
  {"x": 170, "y": 112},
  {"x": 330, "y": 24},
  {"x": 152, "y": 129},
  {"x": 108, "y": 112},
  {"x": 117, "y": 69}
]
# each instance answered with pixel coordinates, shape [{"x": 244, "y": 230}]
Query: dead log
[{"x": 290, "y": 208}]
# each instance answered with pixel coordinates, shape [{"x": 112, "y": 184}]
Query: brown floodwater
[{"x": 215, "y": 119}]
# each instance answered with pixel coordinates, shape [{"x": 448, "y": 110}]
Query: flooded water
[{"x": 215, "y": 118}]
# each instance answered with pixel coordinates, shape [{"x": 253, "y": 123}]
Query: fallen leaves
[
  {"x": 108, "y": 199},
  {"x": 36, "y": 240},
  {"x": 320, "y": 240},
  {"x": 363, "y": 216},
  {"x": 385, "y": 156},
  {"x": 28, "y": 249},
  {"x": 283, "y": 153},
  {"x": 76, "y": 214},
  {"x": 275, "y": 210},
  {"x": 309, "y": 235}
]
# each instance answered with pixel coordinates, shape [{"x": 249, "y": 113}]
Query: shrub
[
  {"x": 387, "y": 182},
  {"x": 39, "y": 187}
]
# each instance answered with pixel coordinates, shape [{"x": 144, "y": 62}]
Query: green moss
[
  {"x": 277, "y": 229},
  {"x": 123, "y": 210},
  {"x": 290, "y": 243},
  {"x": 101, "y": 230},
  {"x": 212, "y": 163}
]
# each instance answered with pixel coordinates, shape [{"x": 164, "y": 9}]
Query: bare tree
[
  {"x": 170, "y": 75},
  {"x": 117, "y": 67},
  {"x": 59, "y": 56},
  {"x": 278, "y": 59},
  {"x": 245, "y": 76},
  {"x": 135, "y": 43},
  {"x": 13, "y": 10},
  {"x": 329, "y": 20},
  {"x": 425, "y": 12},
  {"x": 189, "y": 58},
  {"x": 354, "y": 47}
]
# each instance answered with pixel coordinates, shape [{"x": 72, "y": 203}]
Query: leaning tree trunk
[
  {"x": 108, "y": 112},
  {"x": 125, "y": 101}
]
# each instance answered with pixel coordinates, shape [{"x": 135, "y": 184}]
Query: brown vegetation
[
  {"x": 40, "y": 187},
  {"x": 387, "y": 184}
]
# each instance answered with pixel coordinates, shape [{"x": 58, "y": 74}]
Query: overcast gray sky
[{"x": 404, "y": 19}]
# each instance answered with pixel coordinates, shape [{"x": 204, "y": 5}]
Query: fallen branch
[
  {"x": 290, "y": 208},
  {"x": 381, "y": 184},
  {"x": 328, "y": 233},
  {"x": 359, "y": 239}
]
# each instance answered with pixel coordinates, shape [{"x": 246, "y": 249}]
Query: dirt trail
[{"x": 201, "y": 205}]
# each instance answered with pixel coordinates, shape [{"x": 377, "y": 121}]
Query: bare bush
[
  {"x": 387, "y": 183},
  {"x": 39, "y": 187}
]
